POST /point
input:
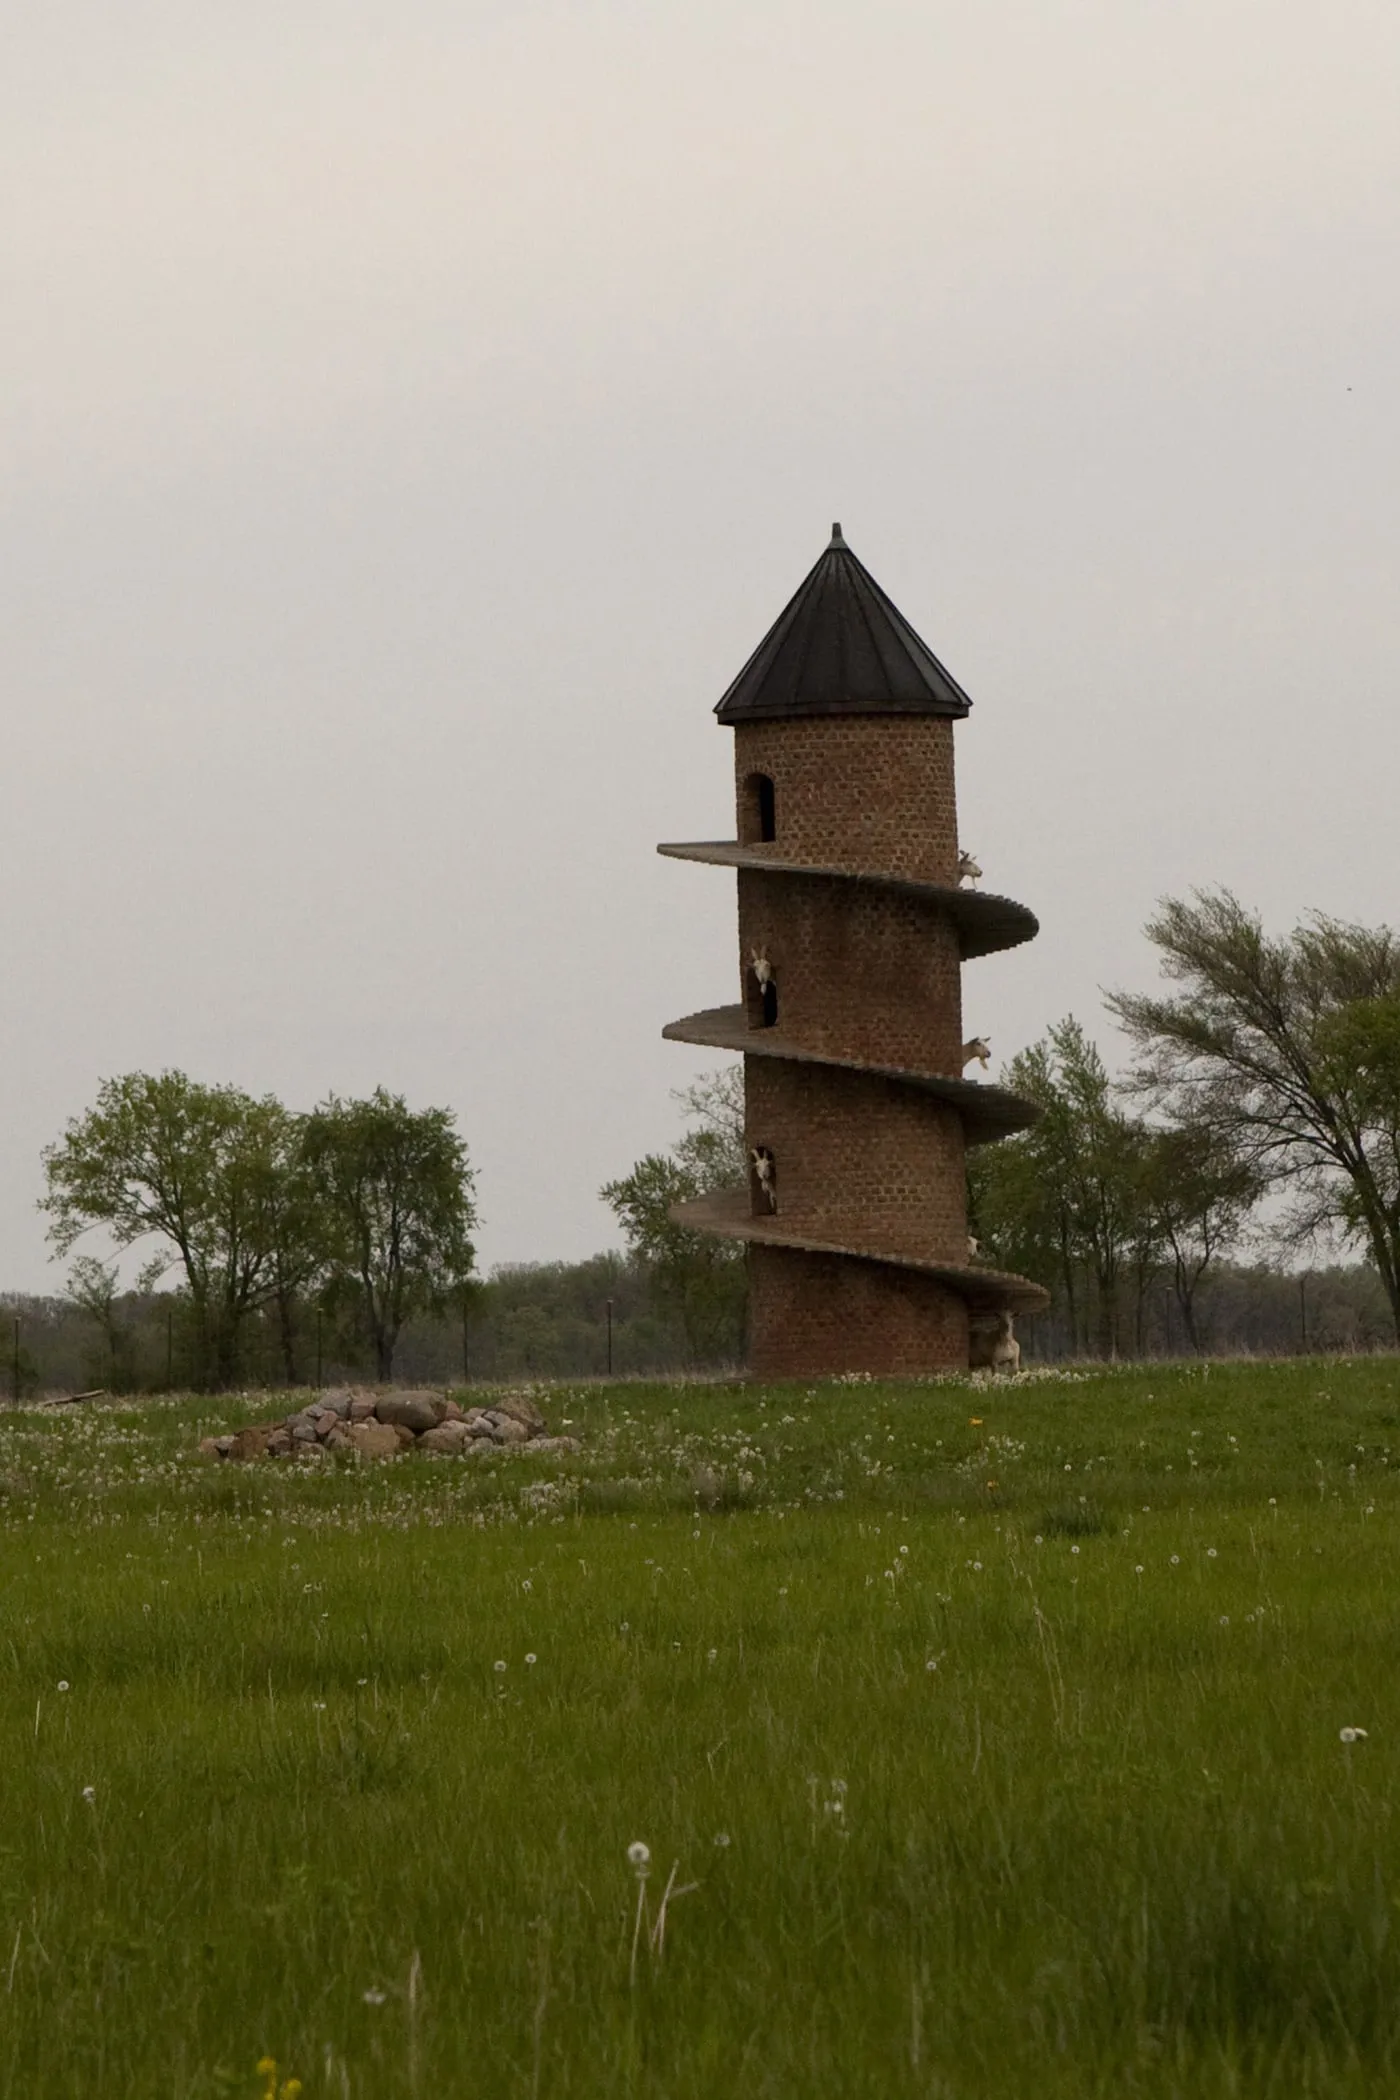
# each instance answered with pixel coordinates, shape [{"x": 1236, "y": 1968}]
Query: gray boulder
[{"x": 416, "y": 1411}]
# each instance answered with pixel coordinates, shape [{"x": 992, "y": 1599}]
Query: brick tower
[{"x": 852, "y": 935}]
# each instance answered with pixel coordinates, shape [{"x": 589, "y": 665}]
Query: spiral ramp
[{"x": 971, "y": 922}]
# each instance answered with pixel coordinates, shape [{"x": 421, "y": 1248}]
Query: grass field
[{"x": 994, "y": 1733}]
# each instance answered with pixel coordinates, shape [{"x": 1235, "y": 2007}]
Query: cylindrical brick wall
[
  {"x": 870, "y": 792},
  {"x": 863, "y": 1162},
  {"x": 812, "y": 1315},
  {"x": 861, "y": 972}
]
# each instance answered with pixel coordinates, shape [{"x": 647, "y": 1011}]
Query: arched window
[{"x": 758, "y": 811}]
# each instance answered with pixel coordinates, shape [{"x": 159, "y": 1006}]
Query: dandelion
[
  {"x": 498, "y": 1667},
  {"x": 1138, "y": 1569},
  {"x": 639, "y": 1857},
  {"x": 1074, "y": 1549},
  {"x": 932, "y": 1663},
  {"x": 63, "y": 1684},
  {"x": 1039, "y": 1540},
  {"x": 530, "y": 1661},
  {"x": 90, "y": 1795},
  {"x": 373, "y": 1996},
  {"x": 1353, "y": 1735},
  {"x": 318, "y": 1706},
  {"x": 1210, "y": 1553},
  {"x": 1224, "y": 1618},
  {"x": 1176, "y": 1560},
  {"x": 974, "y": 1421},
  {"x": 977, "y": 1567},
  {"x": 722, "y": 1839}
]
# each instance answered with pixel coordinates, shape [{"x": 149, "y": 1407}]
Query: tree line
[
  {"x": 1255, "y": 1130},
  {"x": 359, "y": 1212}
]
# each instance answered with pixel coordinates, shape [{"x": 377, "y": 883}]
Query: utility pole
[
  {"x": 320, "y": 1318},
  {"x": 609, "y": 1313},
  {"x": 466, "y": 1343},
  {"x": 169, "y": 1348},
  {"x": 16, "y": 1360},
  {"x": 1303, "y": 1309}
]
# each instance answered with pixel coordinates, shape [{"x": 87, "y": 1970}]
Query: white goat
[
  {"x": 762, "y": 1162},
  {"x": 762, "y": 968},
  {"x": 1006, "y": 1350},
  {"x": 968, "y": 870},
  {"x": 978, "y": 1051},
  {"x": 999, "y": 1351}
]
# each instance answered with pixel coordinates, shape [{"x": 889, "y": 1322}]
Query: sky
[{"x": 412, "y": 415}]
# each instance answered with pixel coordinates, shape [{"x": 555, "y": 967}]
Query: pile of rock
[{"x": 380, "y": 1425}]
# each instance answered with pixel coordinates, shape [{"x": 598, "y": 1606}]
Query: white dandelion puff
[{"x": 1353, "y": 1735}]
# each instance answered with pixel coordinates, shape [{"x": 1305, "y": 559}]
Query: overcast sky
[{"x": 413, "y": 414}]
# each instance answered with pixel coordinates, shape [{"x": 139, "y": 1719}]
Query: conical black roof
[{"x": 840, "y": 647}]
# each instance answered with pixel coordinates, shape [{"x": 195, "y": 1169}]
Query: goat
[
  {"x": 974, "y": 1248},
  {"x": 968, "y": 870},
  {"x": 762, "y": 1162},
  {"x": 999, "y": 1351},
  {"x": 978, "y": 1051},
  {"x": 762, "y": 968},
  {"x": 1006, "y": 1350}
]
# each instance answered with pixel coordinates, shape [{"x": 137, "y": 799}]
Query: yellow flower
[{"x": 267, "y": 2067}]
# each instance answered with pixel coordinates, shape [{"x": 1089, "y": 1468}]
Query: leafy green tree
[
  {"x": 1289, "y": 1051},
  {"x": 93, "y": 1288},
  {"x": 187, "y": 1165},
  {"x": 1198, "y": 1194},
  {"x": 700, "y": 1276},
  {"x": 394, "y": 1189},
  {"x": 1065, "y": 1201}
]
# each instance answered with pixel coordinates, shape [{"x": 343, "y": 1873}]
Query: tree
[
  {"x": 1065, "y": 1201},
  {"x": 1199, "y": 1192},
  {"x": 92, "y": 1287},
  {"x": 167, "y": 1158},
  {"x": 698, "y": 1274},
  {"x": 1288, "y": 1051},
  {"x": 396, "y": 1194}
]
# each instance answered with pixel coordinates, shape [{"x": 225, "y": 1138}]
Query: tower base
[{"x": 816, "y": 1315}]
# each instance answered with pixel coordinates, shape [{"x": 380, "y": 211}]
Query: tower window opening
[
  {"x": 760, "y": 811},
  {"x": 763, "y": 1181},
  {"x": 761, "y": 992}
]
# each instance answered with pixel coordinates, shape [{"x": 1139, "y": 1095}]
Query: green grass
[{"x": 1004, "y": 1753}]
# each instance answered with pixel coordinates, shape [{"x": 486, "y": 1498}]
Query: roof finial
[{"x": 836, "y": 539}]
